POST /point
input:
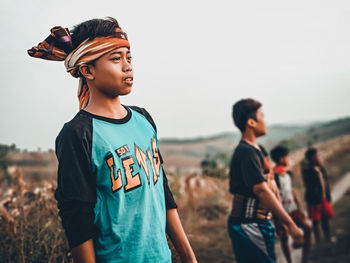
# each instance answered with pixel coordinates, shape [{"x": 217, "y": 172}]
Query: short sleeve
[
  {"x": 75, "y": 177},
  {"x": 76, "y": 191},
  {"x": 169, "y": 198},
  {"x": 251, "y": 169}
]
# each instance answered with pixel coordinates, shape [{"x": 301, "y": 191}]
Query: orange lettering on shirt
[
  {"x": 116, "y": 182},
  {"x": 142, "y": 160},
  {"x": 155, "y": 177},
  {"x": 132, "y": 182},
  {"x": 155, "y": 156}
]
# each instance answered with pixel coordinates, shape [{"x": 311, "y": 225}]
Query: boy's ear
[
  {"x": 87, "y": 71},
  {"x": 251, "y": 122}
]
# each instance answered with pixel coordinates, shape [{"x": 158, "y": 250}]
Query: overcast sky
[{"x": 192, "y": 61}]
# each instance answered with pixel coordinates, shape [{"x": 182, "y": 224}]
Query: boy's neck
[
  {"x": 110, "y": 108},
  {"x": 280, "y": 165},
  {"x": 249, "y": 137}
]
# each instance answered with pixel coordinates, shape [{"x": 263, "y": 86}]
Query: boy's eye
[
  {"x": 130, "y": 58},
  {"x": 116, "y": 58}
]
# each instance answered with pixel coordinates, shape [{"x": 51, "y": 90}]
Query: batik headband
[{"x": 58, "y": 47}]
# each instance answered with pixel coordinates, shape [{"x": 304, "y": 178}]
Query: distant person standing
[
  {"x": 268, "y": 173},
  {"x": 249, "y": 224},
  {"x": 317, "y": 193},
  {"x": 291, "y": 203}
]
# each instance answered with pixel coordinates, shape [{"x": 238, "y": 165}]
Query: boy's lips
[{"x": 128, "y": 80}]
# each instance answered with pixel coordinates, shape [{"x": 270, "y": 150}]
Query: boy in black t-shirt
[{"x": 249, "y": 223}]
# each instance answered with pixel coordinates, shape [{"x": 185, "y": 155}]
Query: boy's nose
[{"x": 127, "y": 67}]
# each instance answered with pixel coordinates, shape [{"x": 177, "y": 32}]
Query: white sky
[{"x": 192, "y": 61}]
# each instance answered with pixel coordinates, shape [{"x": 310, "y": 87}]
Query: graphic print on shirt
[
  {"x": 133, "y": 181},
  {"x": 116, "y": 182},
  {"x": 130, "y": 208}
]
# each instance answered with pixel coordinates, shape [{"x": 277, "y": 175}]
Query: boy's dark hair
[
  {"x": 243, "y": 110},
  {"x": 278, "y": 152},
  {"x": 93, "y": 28},
  {"x": 310, "y": 153}
]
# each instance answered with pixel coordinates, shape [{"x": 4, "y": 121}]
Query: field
[
  {"x": 337, "y": 252},
  {"x": 206, "y": 204},
  {"x": 31, "y": 230}
]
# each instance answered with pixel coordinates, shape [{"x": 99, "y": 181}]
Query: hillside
[
  {"x": 185, "y": 156},
  {"x": 204, "y": 202}
]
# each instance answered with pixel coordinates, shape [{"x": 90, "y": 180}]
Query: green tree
[
  {"x": 4, "y": 149},
  {"x": 215, "y": 165}
]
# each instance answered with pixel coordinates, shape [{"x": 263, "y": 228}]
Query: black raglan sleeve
[
  {"x": 76, "y": 190},
  {"x": 169, "y": 198},
  {"x": 251, "y": 168}
]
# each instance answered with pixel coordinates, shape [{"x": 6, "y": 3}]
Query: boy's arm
[
  {"x": 325, "y": 176},
  {"x": 75, "y": 193},
  {"x": 174, "y": 228},
  {"x": 268, "y": 199},
  {"x": 178, "y": 237},
  {"x": 278, "y": 196},
  {"x": 84, "y": 253}
]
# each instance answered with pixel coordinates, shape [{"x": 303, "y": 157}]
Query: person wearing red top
[
  {"x": 317, "y": 193},
  {"x": 291, "y": 203}
]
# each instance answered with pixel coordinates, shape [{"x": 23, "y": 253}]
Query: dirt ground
[
  {"x": 205, "y": 221},
  {"x": 338, "y": 251}
]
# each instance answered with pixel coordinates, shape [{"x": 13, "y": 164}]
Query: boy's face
[
  {"x": 284, "y": 160},
  {"x": 259, "y": 124},
  {"x": 315, "y": 159},
  {"x": 113, "y": 73}
]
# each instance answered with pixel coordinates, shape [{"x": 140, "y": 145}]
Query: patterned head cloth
[{"x": 58, "y": 47}]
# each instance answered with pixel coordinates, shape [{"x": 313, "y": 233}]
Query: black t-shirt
[{"x": 246, "y": 169}]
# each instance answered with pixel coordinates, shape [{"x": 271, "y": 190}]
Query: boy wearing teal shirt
[{"x": 113, "y": 195}]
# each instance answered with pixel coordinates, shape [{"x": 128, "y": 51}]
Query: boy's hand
[
  {"x": 296, "y": 233},
  {"x": 178, "y": 237}
]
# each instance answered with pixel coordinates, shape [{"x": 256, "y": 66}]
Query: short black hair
[
  {"x": 311, "y": 152},
  {"x": 243, "y": 110},
  {"x": 93, "y": 28},
  {"x": 278, "y": 152}
]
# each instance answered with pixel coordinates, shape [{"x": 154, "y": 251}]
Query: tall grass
[{"x": 30, "y": 230}]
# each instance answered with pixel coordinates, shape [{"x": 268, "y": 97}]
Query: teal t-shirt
[{"x": 125, "y": 181}]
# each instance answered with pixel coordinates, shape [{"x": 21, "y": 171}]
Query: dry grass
[{"x": 30, "y": 228}]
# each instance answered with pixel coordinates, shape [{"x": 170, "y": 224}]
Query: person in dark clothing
[
  {"x": 291, "y": 203},
  {"x": 249, "y": 223},
  {"x": 317, "y": 193}
]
